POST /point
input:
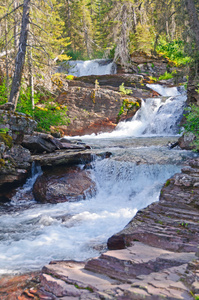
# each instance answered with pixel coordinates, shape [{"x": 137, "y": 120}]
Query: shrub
[
  {"x": 173, "y": 51},
  {"x": 46, "y": 113},
  {"x": 192, "y": 123}
]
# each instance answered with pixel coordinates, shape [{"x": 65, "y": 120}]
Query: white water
[
  {"x": 91, "y": 67},
  {"x": 32, "y": 237},
  {"x": 156, "y": 117}
]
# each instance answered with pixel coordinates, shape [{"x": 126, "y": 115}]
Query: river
[{"x": 32, "y": 234}]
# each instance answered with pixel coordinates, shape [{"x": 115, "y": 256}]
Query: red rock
[{"x": 63, "y": 184}]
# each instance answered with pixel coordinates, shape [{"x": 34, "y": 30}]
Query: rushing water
[
  {"x": 90, "y": 67},
  {"x": 32, "y": 234}
]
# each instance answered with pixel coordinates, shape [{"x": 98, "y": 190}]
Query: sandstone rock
[
  {"x": 91, "y": 110},
  {"x": 63, "y": 184}
]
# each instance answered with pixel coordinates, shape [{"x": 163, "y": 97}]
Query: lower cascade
[{"x": 33, "y": 234}]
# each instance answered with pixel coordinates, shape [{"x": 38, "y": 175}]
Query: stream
[{"x": 32, "y": 234}]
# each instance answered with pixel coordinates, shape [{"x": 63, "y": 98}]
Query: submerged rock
[{"x": 63, "y": 184}]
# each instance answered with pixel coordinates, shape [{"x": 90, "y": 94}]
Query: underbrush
[
  {"x": 46, "y": 113},
  {"x": 173, "y": 51}
]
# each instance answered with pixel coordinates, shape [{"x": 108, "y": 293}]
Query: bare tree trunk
[
  {"x": 16, "y": 39},
  {"x": 20, "y": 58},
  {"x": 31, "y": 79},
  {"x": 193, "y": 19},
  {"x": 7, "y": 63}
]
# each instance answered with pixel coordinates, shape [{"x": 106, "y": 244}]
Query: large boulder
[
  {"x": 186, "y": 141},
  {"x": 63, "y": 184},
  {"x": 92, "y": 110}
]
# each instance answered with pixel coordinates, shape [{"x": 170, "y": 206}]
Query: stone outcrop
[
  {"x": 63, "y": 184},
  {"x": 15, "y": 161},
  {"x": 16, "y": 124},
  {"x": 154, "y": 257}
]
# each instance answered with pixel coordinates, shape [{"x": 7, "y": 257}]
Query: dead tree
[
  {"x": 193, "y": 20},
  {"x": 20, "y": 58}
]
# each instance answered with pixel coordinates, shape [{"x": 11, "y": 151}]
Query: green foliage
[
  {"x": 4, "y": 130},
  {"x": 142, "y": 39},
  {"x": 197, "y": 90},
  {"x": 3, "y": 93},
  {"x": 192, "y": 123},
  {"x": 6, "y": 139},
  {"x": 123, "y": 90},
  {"x": 165, "y": 76},
  {"x": 167, "y": 182},
  {"x": 70, "y": 77},
  {"x": 126, "y": 106},
  {"x": 46, "y": 113},
  {"x": 173, "y": 51}
]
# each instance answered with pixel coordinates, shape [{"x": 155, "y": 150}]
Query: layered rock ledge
[{"x": 155, "y": 257}]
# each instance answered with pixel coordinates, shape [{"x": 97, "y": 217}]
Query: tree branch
[{"x": 6, "y": 15}]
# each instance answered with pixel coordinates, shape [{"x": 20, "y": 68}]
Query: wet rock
[
  {"x": 13, "y": 287},
  {"x": 186, "y": 141},
  {"x": 15, "y": 163},
  {"x": 63, "y": 184},
  {"x": 64, "y": 157}
]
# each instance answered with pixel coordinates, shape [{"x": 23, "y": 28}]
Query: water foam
[
  {"x": 32, "y": 238},
  {"x": 91, "y": 67}
]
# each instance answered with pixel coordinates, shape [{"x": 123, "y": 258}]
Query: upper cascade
[{"x": 90, "y": 67}]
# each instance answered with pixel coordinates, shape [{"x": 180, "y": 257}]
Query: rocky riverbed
[{"x": 154, "y": 257}]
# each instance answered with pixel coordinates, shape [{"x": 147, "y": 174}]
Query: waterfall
[
  {"x": 35, "y": 234},
  {"x": 23, "y": 193},
  {"x": 157, "y": 116},
  {"x": 90, "y": 67}
]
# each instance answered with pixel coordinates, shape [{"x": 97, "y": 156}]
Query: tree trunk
[
  {"x": 16, "y": 39},
  {"x": 20, "y": 58},
  {"x": 193, "y": 20}
]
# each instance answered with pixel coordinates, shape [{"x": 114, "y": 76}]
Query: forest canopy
[{"x": 34, "y": 35}]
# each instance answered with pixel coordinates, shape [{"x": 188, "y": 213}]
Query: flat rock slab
[{"x": 72, "y": 280}]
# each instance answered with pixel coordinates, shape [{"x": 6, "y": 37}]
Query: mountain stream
[{"x": 33, "y": 234}]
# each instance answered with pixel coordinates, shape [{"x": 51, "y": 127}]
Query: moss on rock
[{"x": 6, "y": 139}]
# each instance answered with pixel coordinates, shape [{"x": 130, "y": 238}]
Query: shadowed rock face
[{"x": 63, "y": 184}]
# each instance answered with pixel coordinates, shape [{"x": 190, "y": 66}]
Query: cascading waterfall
[
  {"x": 128, "y": 181},
  {"x": 41, "y": 233},
  {"x": 89, "y": 67},
  {"x": 157, "y": 116}
]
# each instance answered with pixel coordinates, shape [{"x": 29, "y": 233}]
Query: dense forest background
[
  {"x": 87, "y": 29},
  {"x": 37, "y": 35}
]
